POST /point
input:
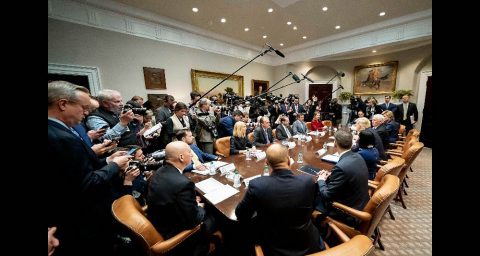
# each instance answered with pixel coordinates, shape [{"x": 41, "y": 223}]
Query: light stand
[{"x": 261, "y": 54}]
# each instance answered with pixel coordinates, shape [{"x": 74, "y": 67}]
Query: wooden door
[{"x": 322, "y": 91}]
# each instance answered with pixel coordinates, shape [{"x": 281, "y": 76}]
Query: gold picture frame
[
  {"x": 203, "y": 81},
  {"x": 257, "y": 84},
  {"x": 375, "y": 79}
]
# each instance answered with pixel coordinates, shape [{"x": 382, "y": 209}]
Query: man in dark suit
[
  {"x": 198, "y": 156},
  {"x": 284, "y": 131},
  {"x": 84, "y": 221},
  {"x": 381, "y": 128},
  {"x": 172, "y": 204},
  {"x": 387, "y": 105},
  {"x": 263, "y": 134},
  {"x": 283, "y": 203},
  {"x": 404, "y": 112},
  {"x": 347, "y": 183}
]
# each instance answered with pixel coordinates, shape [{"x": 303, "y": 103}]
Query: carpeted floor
[{"x": 411, "y": 231}]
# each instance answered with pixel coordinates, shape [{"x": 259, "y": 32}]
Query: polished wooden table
[{"x": 253, "y": 167}]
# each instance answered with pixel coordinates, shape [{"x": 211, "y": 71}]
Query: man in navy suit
[
  {"x": 347, "y": 183},
  {"x": 405, "y": 110},
  {"x": 387, "y": 105},
  {"x": 84, "y": 221},
  {"x": 198, "y": 156},
  {"x": 172, "y": 203},
  {"x": 283, "y": 203},
  {"x": 262, "y": 135}
]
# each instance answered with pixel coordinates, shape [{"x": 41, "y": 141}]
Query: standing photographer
[{"x": 206, "y": 129}]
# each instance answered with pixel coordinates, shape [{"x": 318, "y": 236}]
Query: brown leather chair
[
  {"x": 222, "y": 146},
  {"x": 372, "y": 213},
  {"x": 359, "y": 245},
  {"x": 309, "y": 126},
  {"x": 401, "y": 130},
  {"x": 327, "y": 123},
  {"x": 130, "y": 214},
  {"x": 250, "y": 137}
]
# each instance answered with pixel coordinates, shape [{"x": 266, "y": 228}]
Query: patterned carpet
[{"x": 411, "y": 231}]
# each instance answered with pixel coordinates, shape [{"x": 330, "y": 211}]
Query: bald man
[
  {"x": 172, "y": 204},
  {"x": 284, "y": 203}
]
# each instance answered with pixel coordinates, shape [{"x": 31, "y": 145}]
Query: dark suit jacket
[
  {"x": 284, "y": 203},
  {"x": 383, "y": 133},
  {"x": 412, "y": 110},
  {"x": 348, "y": 184},
  {"x": 237, "y": 144},
  {"x": 281, "y": 134},
  {"x": 259, "y": 136},
  {"x": 392, "y": 107},
  {"x": 84, "y": 221}
]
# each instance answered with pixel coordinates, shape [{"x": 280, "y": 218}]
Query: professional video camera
[
  {"x": 231, "y": 96},
  {"x": 291, "y": 98},
  {"x": 272, "y": 98},
  {"x": 139, "y": 111},
  {"x": 145, "y": 165}
]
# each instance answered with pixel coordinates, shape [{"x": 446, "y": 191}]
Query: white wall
[{"x": 121, "y": 58}]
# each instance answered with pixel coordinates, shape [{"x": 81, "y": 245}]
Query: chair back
[
  {"x": 379, "y": 202},
  {"x": 250, "y": 137},
  {"x": 401, "y": 130},
  {"x": 392, "y": 167},
  {"x": 309, "y": 125},
  {"x": 409, "y": 156},
  {"x": 274, "y": 134},
  {"x": 222, "y": 146},
  {"x": 327, "y": 123}
]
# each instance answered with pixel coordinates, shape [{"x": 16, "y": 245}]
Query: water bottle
[
  {"x": 325, "y": 145},
  {"x": 300, "y": 157},
  {"x": 236, "y": 180},
  {"x": 266, "y": 172},
  {"x": 248, "y": 155},
  {"x": 329, "y": 130},
  {"x": 211, "y": 169}
]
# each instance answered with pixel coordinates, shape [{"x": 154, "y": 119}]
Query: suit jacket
[
  {"x": 383, "y": 133},
  {"x": 202, "y": 157},
  {"x": 348, "y": 184},
  {"x": 259, "y": 136},
  {"x": 392, "y": 107},
  {"x": 237, "y": 144},
  {"x": 84, "y": 221},
  {"x": 299, "y": 127},
  {"x": 172, "y": 206},
  {"x": 411, "y": 110},
  {"x": 392, "y": 129},
  {"x": 281, "y": 134},
  {"x": 284, "y": 203}
]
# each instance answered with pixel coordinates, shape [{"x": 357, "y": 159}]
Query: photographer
[
  {"x": 334, "y": 112},
  {"x": 356, "y": 105},
  {"x": 111, "y": 116},
  {"x": 206, "y": 130},
  {"x": 225, "y": 127}
]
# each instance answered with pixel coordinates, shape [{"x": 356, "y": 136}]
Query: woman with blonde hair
[{"x": 239, "y": 141}]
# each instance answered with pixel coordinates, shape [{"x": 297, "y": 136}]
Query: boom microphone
[
  {"x": 340, "y": 74},
  {"x": 340, "y": 86},
  {"x": 296, "y": 78},
  {"x": 306, "y": 77},
  {"x": 279, "y": 53}
]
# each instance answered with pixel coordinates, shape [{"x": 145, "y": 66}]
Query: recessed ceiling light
[
  {"x": 294, "y": 27},
  {"x": 337, "y": 27},
  {"x": 246, "y": 29},
  {"x": 270, "y": 10},
  {"x": 223, "y": 20},
  {"x": 304, "y": 37},
  {"x": 289, "y": 23},
  {"x": 382, "y": 14},
  {"x": 374, "y": 51},
  {"x": 195, "y": 9},
  {"x": 281, "y": 44},
  {"x": 325, "y": 9},
  {"x": 264, "y": 36}
]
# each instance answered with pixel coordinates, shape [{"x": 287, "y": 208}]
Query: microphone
[
  {"x": 279, "y": 53},
  {"x": 304, "y": 76},
  {"x": 340, "y": 73},
  {"x": 296, "y": 78},
  {"x": 340, "y": 86}
]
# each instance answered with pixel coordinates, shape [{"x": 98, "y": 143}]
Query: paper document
[
  {"x": 152, "y": 129},
  {"x": 331, "y": 158},
  {"x": 316, "y": 133},
  {"x": 260, "y": 156},
  {"x": 251, "y": 178},
  {"x": 331, "y": 137},
  {"x": 321, "y": 152},
  {"x": 220, "y": 194},
  {"x": 208, "y": 185},
  {"x": 330, "y": 144},
  {"x": 219, "y": 164},
  {"x": 201, "y": 172}
]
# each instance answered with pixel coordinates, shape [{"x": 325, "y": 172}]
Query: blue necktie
[
  {"x": 76, "y": 133},
  {"x": 266, "y": 137}
]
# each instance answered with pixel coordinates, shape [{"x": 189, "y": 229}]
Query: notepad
[
  {"x": 152, "y": 129},
  {"x": 331, "y": 158},
  {"x": 309, "y": 170},
  {"x": 221, "y": 193},
  {"x": 208, "y": 185}
]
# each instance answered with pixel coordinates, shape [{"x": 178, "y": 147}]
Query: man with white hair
[
  {"x": 381, "y": 128},
  {"x": 362, "y": 123}
]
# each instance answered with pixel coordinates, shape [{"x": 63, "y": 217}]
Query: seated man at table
[
  {"x": 284, "y": 131},
  {"x": 198, "y": 156},
  {"x": 263, "y": 133},
  {"x": 172, "y": 204},
  {"x": 283, "y": 203},
  {"x": 347, "y": 183}
]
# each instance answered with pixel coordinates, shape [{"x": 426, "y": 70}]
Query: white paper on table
[
  {"x": 321, "y": 152},
  {"x": 218, "y": 164},
  {"x": 152, "y": 129},
  {"x": 309, "y": 138},
  {"x": 291, "y": 144},
  {"x": 296, "y": 136},
  {"x": 208, "y": 185},
  {"x": 220, "y": 194},
  {"x": 260, "y": 155},
  {"x": 227, "y": 168},
  {"x": 206, "y": 172},
  {"x": 331, "y": 158},
  {"x": 330, "y": 144},
  {"x": 331, "y": 137},
  {"x": 251, "y": 178},
  {"x": 315, "y": 133}
]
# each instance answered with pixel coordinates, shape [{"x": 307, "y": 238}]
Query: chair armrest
[
  {"x": 358, "y": 245},
  {"x": 383, "y": 162},
  {"x": 394, "y": 154},
  {"x": 395, "y": 150},
  {"x": 219, "y": 154},
  {"x": 363, "y": 216},
  {"x": 145, "y": 209},
  {"x": 373, "y": 184},
  {"x": 172, "y": 242},
  {"x": 316, "y": 214},
  {"x": 342, "y": 236},
  {"x": 258, "y": 250}
]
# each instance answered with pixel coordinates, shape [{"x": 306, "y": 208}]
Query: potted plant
[
  {"x": 398, "y": 94},
  {"x": 345, "y": 96}
]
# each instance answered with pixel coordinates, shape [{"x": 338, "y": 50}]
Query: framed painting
[
  {"x": 259, "y": 87},
  {"x": 375, "y": 79},
  {"x": 203, "y": 81},
  {"x": 154, "y": 78}
]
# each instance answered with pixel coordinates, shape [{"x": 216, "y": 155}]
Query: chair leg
[
  {"x": 378, "y": 235},
  {"x": 405, "y": 182},
  {"x": 399, "y": 197},
  {"x": 411, "y": 169},
  {"x": 406, "y": 176},
  {"x": 390, "y": 212}
]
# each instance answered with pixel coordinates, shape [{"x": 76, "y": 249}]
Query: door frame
[
  {"x": 307, "y": 84},
  {"x": 422, "y": 93},
  {"x": 92, "y": 73}
]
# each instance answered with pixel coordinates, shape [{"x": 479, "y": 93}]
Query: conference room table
[{"x": 250, "y": 168}]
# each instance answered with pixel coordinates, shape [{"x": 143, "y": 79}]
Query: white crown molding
[
  {"x": 113, "y": 16},
  {"x": 92, "y": 73}
]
